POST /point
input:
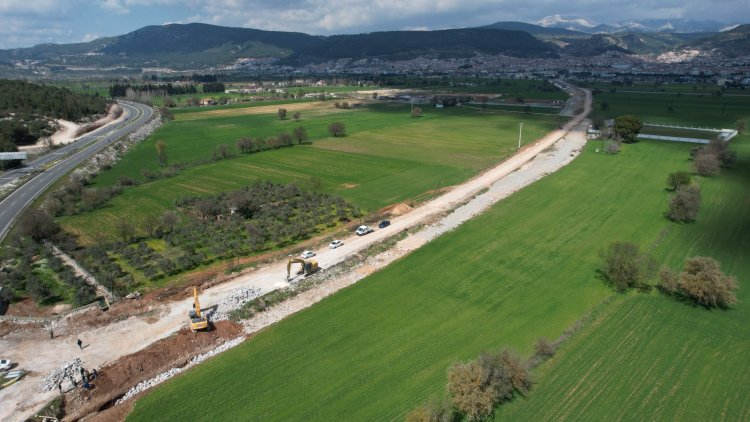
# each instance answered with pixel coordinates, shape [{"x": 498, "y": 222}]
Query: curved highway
[{"x": 57, "y": 163}]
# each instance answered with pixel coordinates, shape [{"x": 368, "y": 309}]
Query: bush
[
  {"x": 677, "y": 179},
  {"x": 703, "y": 282},
  {"x": 611, "y": 147},
  {"x": 432, "y": 411},
  {"x": 624, "y": 266},
  {"x": 706, "y": 164},
  {"x": 685, "y": 204},
  {"x": 337, "y": 129},
  {"x": 469, "y": 390},
  {"x": 544, "y": 348}
]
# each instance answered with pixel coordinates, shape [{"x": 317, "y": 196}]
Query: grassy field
[
  {"x": 709, "y": 111},
  {"x": 387, "y": 156},
  {"x": 651, "y": 358},
  {"x": 525, "y": 269},
  {"x": 688, "y": 88}
]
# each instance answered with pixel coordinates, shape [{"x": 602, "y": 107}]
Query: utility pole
[{"x": 520, "y": 131}]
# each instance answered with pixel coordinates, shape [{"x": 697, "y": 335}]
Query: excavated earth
[{"x": 115, "y": 379}]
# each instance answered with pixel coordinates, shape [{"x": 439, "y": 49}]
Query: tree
[
  {"x": 125, "y": 230},
  {"x": 161, "y": 152},
  {"x": 706, "y": 163},
  {"x": 469, "y": 391},
  {"x": 721, "y": 150},
  {"x": 685, "y": 204},
  {"x": 285, "y": 140},
  {"x": 300, "y": 134},
  {"x": 432, "y": 411},
  {"x": 624, "y": 266},
  {"x": 169, "y": 220},
  {"x": 416, "y": 112},
  {"x": 677, "y": 179},
  {"x": 703, "y": 282},
  {"x": 245, "y": 145},
  {"x": 38, "y": 224},
  {"x": 598, "y": 123},
  {"x": 296, "y": 115},
  {"x": 740, "y": 125},
  {"x": 337, "y": 129},
  {"x": 282, "y": 113},
  {"x": 627, "y": 128}
]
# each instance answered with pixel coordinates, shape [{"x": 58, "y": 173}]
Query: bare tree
[
  {"x": 685, "y": 204},
  {"x": 282, "y": 113},
  {"x": 169, "y": 220},
  {"x": 297, "y": 115},
  {"x": 416, "y": 112},
  {"x": 38, "y": 224},
  {"x": 469, "y": 391},
  {"x": 706, "y": 164},
  {"x": 161, "y": 152},
  {"x": 125, "y": 230},
  {"x": 285, "y": 140},
  {"x": 337, "y": 129},
  {"x": 740, "y": 125},
  {"x": 245, "y": 145},
  {"x": 300, "y": 134}
]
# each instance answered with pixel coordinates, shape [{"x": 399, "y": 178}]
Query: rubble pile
[
  {"x": 145, "y": 385},
  {"x": 239, "y": 297},
  {"x": 62, "y": 375}
]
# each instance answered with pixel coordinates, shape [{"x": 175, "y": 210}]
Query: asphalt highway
[{"x": 45, "y": 170}]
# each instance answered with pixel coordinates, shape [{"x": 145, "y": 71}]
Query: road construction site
[{"x": 140, "y": 342}]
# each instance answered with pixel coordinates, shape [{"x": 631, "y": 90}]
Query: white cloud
[
  {"x": 115, "y": 6},
  {"x": 90, "y": 37}
]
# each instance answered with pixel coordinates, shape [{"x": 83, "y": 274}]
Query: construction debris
[
  {"x": 62, "y": 375},
  {"x": 239, "y": 297}
]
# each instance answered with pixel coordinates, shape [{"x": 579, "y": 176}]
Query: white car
[
  {"x": 307, "y": 254},
  {"x": 5, "y": 364},
  {"x": 335, "y": 244},
  {"x": 363, "y": 230}
]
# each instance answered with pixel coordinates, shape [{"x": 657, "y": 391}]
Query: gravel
[{"x": 239, "y": 297}]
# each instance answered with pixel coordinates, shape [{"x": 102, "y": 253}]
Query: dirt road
[{"x": 108, "y": 343}]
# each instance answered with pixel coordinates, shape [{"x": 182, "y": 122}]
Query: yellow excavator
[
  {"x": 197, "y": 320},
  {"x": 308, "y": 267}
]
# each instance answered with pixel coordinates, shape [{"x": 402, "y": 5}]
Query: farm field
[
  {"x": 709, "y": 111},
  {"x": 652, "y": 358},
  {"x": 387, "y": 157},
  {"x": 525, "y": 269}
]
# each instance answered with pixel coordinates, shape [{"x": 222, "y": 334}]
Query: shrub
[
  {"x": 703, "y": 282},
  {"x": 624, "y": 266},
  {"x": 544, "y": 348},
  {"x": 677, "y": 179},
  {"x": 469, "y": 391},
  {"x": 432, "y": 411},
  {"x": 337, "y": 129},
  {"x": 611, "y": 146}
]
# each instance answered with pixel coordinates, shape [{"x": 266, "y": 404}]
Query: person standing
[
  {"x": 51, "y": 334},
  {"x": 80, "y": 344},
  {"x": 59, "y": 387}
]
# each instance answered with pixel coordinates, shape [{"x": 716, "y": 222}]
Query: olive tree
[{"x": 627, "y": 128}]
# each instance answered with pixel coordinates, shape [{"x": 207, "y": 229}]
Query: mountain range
[{"x": 197, "y": 45}]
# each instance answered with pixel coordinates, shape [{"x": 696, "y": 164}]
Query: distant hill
[
  {"x": 531, "y": 28},
  {"x": 441, "y": 43},
  {"x": 595, "y": 45},
  {"x": 732, "y": 43},
  {"x": 191, "y": 45},
  {"x": 197, "y": 45}
]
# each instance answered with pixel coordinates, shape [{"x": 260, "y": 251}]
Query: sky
[{"x": 25, "y": 23}]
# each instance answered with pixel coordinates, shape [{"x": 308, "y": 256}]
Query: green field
[
  {"x": 524, "y": 269},
  {"x": 387, "y": 157},
  {"x": 711, "y": 111}
]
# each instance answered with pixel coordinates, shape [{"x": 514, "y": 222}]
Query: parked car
[
  {"x": 5, "y": 364},
  {"x": 335, "y": 244},
  {"x": 307, "y": 254},
  {"x": 363, "y": 230},
  {"x": 383, "y": 224}
]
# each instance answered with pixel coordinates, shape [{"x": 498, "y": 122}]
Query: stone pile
[
  {"x": 239, "y": 297},
  {"x": 145, "y": 385},
  {"x": 62, "y": 375}
]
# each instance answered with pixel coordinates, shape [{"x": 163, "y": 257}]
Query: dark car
[{"x": 383, "y": 224}]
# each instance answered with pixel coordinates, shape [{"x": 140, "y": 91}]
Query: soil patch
[
  {"x": 349, "y": 185},
  {"x": 396, "y": 209},
  {"x": 116, "y": 379}
]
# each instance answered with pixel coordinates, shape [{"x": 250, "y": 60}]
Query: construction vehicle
[
  {"x": 308, "y": 267},
  {"x": 197, "y": 320}
]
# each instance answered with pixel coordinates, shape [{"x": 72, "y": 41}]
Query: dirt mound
[
  {"x": 396, "y": 209},
  {"x": 115, "y": 379}
]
